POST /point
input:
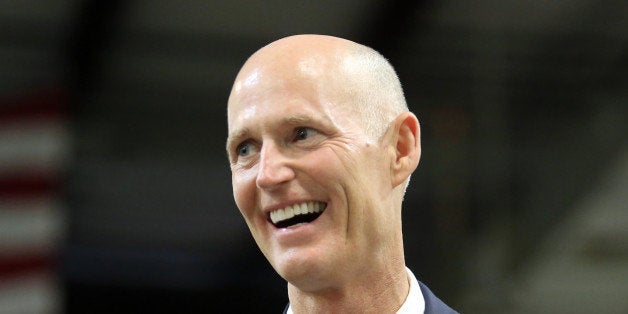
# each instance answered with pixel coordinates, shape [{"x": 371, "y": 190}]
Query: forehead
[
  {"x": 266, "y": 91},
  {"x": 282, "y": 82},
  {"x": 257, "y": 111},
  {"x": 277, "y": 103}
]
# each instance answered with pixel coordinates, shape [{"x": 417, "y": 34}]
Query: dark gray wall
[{"x": 522, "y": 104}]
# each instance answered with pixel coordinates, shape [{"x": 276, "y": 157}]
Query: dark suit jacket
[{"x": 433, "y": 305}]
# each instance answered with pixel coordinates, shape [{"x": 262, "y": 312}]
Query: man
[{"x": 321, "y": 146}]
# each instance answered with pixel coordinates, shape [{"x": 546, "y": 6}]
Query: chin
[
  {"x": 307, "y": 274},
  {"x": 292, "y": 267}
]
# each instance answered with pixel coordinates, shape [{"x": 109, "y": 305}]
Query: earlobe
[{"x": 407, "y": 147}]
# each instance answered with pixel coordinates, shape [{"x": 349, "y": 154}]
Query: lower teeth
[{"x": 299, "y": 224}]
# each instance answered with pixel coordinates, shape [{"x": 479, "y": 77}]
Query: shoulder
[{"x": 434, "y": 305}]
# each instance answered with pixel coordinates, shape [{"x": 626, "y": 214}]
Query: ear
[{"x": 407, "y": 145}]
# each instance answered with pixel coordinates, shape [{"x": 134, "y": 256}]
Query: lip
[
  {"x": 299, "y": 235},
  {"x": 296, "y": 235}
]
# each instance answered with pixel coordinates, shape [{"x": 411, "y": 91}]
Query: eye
[
  {"x": 304, "y": 133},
  {"x": 244, "y": 149}
]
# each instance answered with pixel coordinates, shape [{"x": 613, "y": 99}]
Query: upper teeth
[{"x": 296, "y": 209}]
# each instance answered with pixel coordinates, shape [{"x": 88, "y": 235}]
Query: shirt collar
[{"x": 414, "y": 302}]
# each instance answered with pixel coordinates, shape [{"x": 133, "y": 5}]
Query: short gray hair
[{"x": 378, "y": 93}]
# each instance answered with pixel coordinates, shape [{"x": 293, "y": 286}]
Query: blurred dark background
[{"x": 115, "y": 192}]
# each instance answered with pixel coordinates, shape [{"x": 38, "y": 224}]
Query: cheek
[
  {"x": 338, "y": 165},
  {"x": 243, "y": 184}
]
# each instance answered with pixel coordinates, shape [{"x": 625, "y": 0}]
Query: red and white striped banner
[{"x": 34, "y": 150}]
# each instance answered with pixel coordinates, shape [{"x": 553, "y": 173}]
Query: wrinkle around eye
[
  {"x": 343, "y": 144},
  {"x": 313, "y": 138}
]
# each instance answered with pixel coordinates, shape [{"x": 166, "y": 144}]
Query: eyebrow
[
  {"x": 297, "y": 120},
  {"x": 235, "y": 137}
]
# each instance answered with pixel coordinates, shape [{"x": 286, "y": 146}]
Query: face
[{"x": 314, "y": 189}]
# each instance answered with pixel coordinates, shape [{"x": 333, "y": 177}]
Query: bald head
[{"x": 361, "y": 79}]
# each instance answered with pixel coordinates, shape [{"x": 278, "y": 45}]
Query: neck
[{"x": 371, "y": 291}]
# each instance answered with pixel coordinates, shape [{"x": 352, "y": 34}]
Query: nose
[{"x": 273, "y": 168}]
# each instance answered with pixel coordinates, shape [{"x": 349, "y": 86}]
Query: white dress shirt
[{"x": 414, "y": 303}]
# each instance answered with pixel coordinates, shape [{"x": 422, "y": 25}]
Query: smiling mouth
[{"x": 297, "y": 214}]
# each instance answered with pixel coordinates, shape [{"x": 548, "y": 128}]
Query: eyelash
[
  {"x": 241, "y": 146},
  {"x": 297, "y": 136},
  {"x": 299, "y": 131}
]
